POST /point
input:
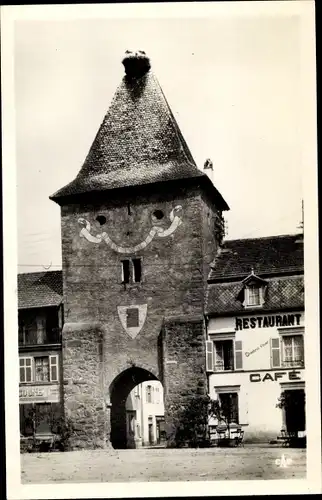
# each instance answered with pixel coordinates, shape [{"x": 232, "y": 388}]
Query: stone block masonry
[
  {"x": 84, "y": 400},
  {"x": 183, "y": 342}
]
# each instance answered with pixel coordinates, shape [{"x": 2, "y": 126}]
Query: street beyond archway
[{"x": 210, "y": 464}]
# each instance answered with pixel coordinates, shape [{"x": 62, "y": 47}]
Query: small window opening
[
  {"x": 137, "y": 272},
  {"x": 158, "y": 214},
  {"x": 125, "y": 271},
  {"x": 101, "y": 219}
]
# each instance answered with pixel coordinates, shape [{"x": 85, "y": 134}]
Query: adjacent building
[
  {"x": 255, "y": 334},
  {"x": 145, "y": 415},
  {"x": 40, "y": 322}
]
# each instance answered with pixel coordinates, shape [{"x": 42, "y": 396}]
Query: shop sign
[
  {"x": 276, "y": 320},
  {"x": 275, "y": 376},
  {"x": 38, "y": 393}
]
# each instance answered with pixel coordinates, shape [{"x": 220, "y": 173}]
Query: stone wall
[
  {"x": 83, "y": 384},
  {"x": 184, "y": 368}
]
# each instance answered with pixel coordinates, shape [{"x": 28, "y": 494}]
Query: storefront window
[
  {"x": 39, "y": 418},
  {"x": 229, "y": 406}
]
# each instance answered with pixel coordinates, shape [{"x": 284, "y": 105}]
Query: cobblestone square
[{"x": 143, "y": 465}]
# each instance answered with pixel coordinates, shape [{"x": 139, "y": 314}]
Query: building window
[
  {"x": 224, "y": 355},
  {"x": 125, "y": 271},
  {"x": 39, "y": 369},
  {"x": 42, "y": 369},
  {"x": 131, "y": 271},
  {"x": 136, "y": 270},
  {"x": 292, "y": 350},
  {"x": 157, "y": 395},
  {"x": 149, "y": 394},
  {"x": 229, "y": 405},
  {"x": 39, "y": 327},
  {"x": 25, "y": 369},
  {"x": 253, "y": 296}
]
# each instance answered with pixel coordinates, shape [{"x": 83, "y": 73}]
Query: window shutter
[
  {"x": 234, "y": 407},
  {"x": 53, "y": 363},
  {"x": 209, "y": 356},
  {"x": 275, "y": 353},
  {"x": 238, "y": 355}
]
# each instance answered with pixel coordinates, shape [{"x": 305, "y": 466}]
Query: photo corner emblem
[{"x": 132, "y": 318}]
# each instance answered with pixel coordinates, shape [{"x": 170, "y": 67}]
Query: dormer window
[{"x": 253, "y": 291}]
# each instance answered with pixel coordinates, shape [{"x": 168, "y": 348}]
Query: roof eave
[{"x": 61, "y": 198}]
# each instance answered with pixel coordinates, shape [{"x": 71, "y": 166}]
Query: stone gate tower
[{"x": 140, "y": 226}]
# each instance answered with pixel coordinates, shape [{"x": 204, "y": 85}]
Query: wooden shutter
[
  {"x": 209, "y": 356},
  {"x": 275, "y": 353},
  {"x": 234, "y": 408},
  {"x": 238, "y": 355},
  {"x": 53, "y": 367}
]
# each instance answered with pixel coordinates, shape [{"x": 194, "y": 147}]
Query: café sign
[
  {"x": 275, "y": 376},
  {"x": 39, "y": 394}
]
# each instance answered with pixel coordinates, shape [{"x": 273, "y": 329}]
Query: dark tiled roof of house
[
  {"x": 138, "y": 143},
  {"x": 266, "y": 256},
  {"x": 282, "y": 293},
  {"x": 42, "y": 289}
]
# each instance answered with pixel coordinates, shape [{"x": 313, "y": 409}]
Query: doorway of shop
[
  {"x": 294, "y": 410},
  {"x": 136, "y": 397}
]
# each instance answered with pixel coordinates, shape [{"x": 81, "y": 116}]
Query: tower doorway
[{"x": 130, "y": 395}]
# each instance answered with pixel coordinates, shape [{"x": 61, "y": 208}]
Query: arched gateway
[
  {"x": 120, "y": 388},
  {"x": 140, "y": 226}
]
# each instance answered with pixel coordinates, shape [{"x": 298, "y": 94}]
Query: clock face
[{"x": 127, "y": 229}]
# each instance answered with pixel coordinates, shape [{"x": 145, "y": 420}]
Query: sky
[{"x": 233, "y": 84}]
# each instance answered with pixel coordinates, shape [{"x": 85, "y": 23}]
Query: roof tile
[
  {"x": 269, "y": 255},
  {"x": 42, "y": 289}
]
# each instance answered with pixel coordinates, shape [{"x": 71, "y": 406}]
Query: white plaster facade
[
  {"x": 266, "y": 360},
  {"x": 145, "y": 414}
]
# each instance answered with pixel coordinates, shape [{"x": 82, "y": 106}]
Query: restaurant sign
[
  {"x": 275, "y": 376},
  {"x": 39, "y": 394},
  {"x": 277, "y": 320}
]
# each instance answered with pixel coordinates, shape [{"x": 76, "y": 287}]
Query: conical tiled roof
[{"x": 139, "y": 141}]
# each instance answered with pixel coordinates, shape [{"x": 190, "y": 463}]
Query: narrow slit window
[
  {"x": 137, "y": 271},
  {"x": 125, "y": 271}
]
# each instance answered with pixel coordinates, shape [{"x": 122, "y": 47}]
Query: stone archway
[{"x": 120, "y": 388}]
